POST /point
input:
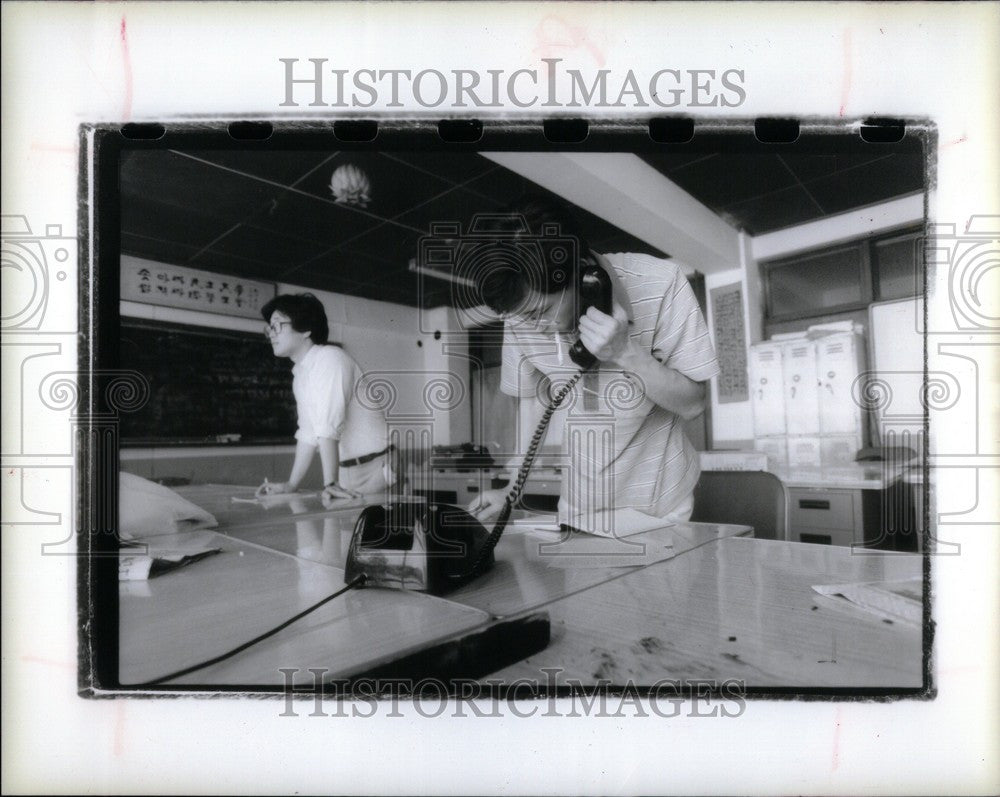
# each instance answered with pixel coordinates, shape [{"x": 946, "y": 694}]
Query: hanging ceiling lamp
[{"x": 350, "y": 186}]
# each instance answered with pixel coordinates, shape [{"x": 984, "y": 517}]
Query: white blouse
[{"x": 326, "y": 383}]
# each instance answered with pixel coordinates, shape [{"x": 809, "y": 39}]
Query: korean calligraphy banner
[{"x": 192, "y": 289}]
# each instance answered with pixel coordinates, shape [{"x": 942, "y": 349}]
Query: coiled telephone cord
[{"x": 522, "y": 473}]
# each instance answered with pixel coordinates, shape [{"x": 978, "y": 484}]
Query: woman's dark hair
[
  {"x": 305, "y": 312},
  {"x": 532, "y": 218}
]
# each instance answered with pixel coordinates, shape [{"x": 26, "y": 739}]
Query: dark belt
[{"x": 350, "y": 463}]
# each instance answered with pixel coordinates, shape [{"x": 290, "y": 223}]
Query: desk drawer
[
  {"x": 824, "y": 536},
  {"x": 821, "y": 509}
]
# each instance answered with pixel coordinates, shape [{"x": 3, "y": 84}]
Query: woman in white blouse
[{"x": 351, "y": 437}]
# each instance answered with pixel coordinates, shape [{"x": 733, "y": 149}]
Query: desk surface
[
  {"x": 248, "y": 511},
  {"x": 670, "y": 615},
  {"x": 531, "y": 570},
  {"x": 200, "y": 611},
  {"x": 740, "y": 609}
]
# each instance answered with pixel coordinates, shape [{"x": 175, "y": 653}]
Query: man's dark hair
[
  {"x": 305, "y": 312},
  {"x": 504, "y": 287}
]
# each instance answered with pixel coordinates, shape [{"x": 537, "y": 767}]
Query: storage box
[
  {"x": 776, "y": 450},
  {"x": 804, "y": 452}
]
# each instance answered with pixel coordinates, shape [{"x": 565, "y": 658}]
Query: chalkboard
[{"x": 206, "y": 386}]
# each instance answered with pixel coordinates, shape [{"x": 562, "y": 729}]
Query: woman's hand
[
  {"x": 275, "y": 488},
  {"x": 488, "y": 504},
  {"x": 334, "y": 493},
  {"x": 605, "y": 336}
]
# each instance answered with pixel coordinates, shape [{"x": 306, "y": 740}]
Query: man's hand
[
  {"x": 487, "y": 505},
  {"x": 333, "y": 494},
  {"x": 605, "y": 336},
  {"x": 275, "y": 488}
]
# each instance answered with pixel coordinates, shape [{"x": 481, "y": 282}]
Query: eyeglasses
[{"x": 273, "y": 329}]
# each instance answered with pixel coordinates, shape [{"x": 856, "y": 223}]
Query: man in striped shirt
[{"x": 623, "y": 438}]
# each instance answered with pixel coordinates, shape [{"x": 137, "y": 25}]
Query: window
[
  {"x": 898, "y": 269},
  {"x": 841, "y": 280},
  {"x": 820, "y": 282}
]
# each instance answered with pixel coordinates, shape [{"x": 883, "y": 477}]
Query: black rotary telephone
[{"x": 434, "y": 547}]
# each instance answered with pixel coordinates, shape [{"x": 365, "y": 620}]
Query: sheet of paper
[
  {"x": 134, "y": 567},
  {"x": 614, "y": 523},
  {"x": 888, "y": 600},
  {"x": 618, "y": 523},
  {"x": 141, "y": 567},
  {"x": 575, "y": 550},
  {"x": 586, "y": 551}
]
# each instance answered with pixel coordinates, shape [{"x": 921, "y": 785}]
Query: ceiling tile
[
  {"x": 455, "y": 206},
  {"x": 314, "y": 219},
  {"x": 160, "y": 250},
  {"x": 666, "y": 162},
  {"x": 456, "y": 168},
  {"x": 727, "y": 178},
  {"x": 197, "y": 187},
  {"x": 281, "y": 251},
  {"x": 151, "y": 217},
  {"x": 772, "y": 212},
  {"x": 811, "y": 165},
  {"x": 388, "y": 245},
  {"x": 895, "y": 176},
  {"x": 503, "y": 186},
  {"x": 279, "y": 166},
  {"x": 359, "y": 264}
]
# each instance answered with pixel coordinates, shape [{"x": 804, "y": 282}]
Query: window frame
[
  {"x": 919, "y": 278},
  {"x": 868, "y": 275}
]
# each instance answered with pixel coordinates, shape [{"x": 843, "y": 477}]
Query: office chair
[{"x": 751, "y": 498}]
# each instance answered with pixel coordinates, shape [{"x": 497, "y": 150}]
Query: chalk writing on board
[
  {"x": 192, "y": 289},
  {"x": 730, "y": 343},
  {"x": 206, "y": 385}
]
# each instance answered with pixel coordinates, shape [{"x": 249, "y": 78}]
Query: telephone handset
[
  {"x": 595, "y": 290},
  {"x": 433, "y": 547}
]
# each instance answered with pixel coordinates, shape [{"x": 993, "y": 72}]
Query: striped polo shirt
[{"x": 623, "y": 450}]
